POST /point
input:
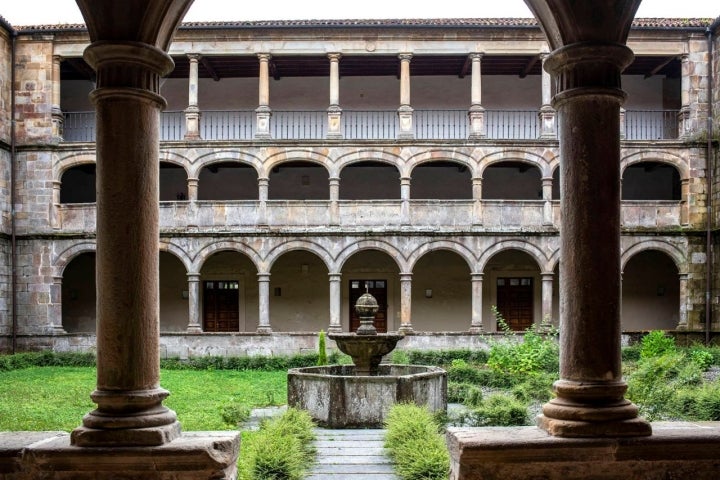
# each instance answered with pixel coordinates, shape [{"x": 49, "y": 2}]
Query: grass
[{"x": 56, "y": 398}]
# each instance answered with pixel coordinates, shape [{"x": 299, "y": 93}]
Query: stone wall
[
  {"x": 5, "y": 84},
  {"x": 33, "y": 90},
  {"x": 698, "y": 94}
]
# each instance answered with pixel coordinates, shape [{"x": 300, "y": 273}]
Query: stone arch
[
  {"x": 535, "y": 252},
  {"x": 64, "y": 164},
  {"x": 552, "y": 263},
  {"x": 66, "y": 256},
  {"x": 672, "y": 251},
  {"x": 228, "y": 245},
  {"x": 379, "y": 245},
  {"x": 439, "y": 155},
  {"x": 176, "y": 250},
  {"x": 451, "y": 246},
  {"x": 175, "y": 159},
  {"x": 370, "y": 155},
  {"x": 306, "y": 245},
  {"x": 295, "y": 156},
  {"x": 226, "y": 156},
  {"x": 516, "y": 156},
  {"x": 656, "y": 156}
]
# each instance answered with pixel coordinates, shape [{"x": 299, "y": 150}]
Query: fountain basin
[{"x": 336, "y": 397}]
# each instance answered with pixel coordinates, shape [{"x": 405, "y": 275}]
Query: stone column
[
  {"x": 622, "y": 124},
  {"x": 682, "y": 322},
  {"x": 334, "y": 198},
  {"x": 547, "y": 297},
  {"x": 335, "y": 303},
  {"x": 55, "y": 307},
  {"x": 405, "y": 200},
  {"x": 476, "y": 114},
  {"x": 263, "y": 186},
  {"x": 684, "y": 130},
  {"x": 192, "y": 112},
  {"x": 263, "y": 112},
  {"x": 685, "y": 201},
  {"x": 405, "y": 303},
  {"x": 547, "y": 112},
  {"x": 55, "y": 220},
  {"x": 194, "y": 325},
  {"x": 405, "y": 112},
  {"x": 590, "y": 393},
  {"x": 476, "y": 323},
  {"x": 477, "y": 201},
  {"x": 334, "y": 110},
  {"x": 58, "y": 120},
  {"x": 264, "y": 302},
  {"x": 128, "y": 395},
  {"x": 547, "y": 183},
  {"x": 192, "y": 186}
]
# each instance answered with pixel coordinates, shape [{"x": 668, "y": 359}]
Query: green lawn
[{"x": 56, "y": 398}]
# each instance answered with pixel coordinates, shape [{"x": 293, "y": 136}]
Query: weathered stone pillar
[
  {"x": 684, "y": 130},
  {"x": 590, "y": 393},
  {"x": 55, "y": 307},
  {"x": 192, "y": 186},
  {"x": 547, "y": 183},
  {"x": 476, "y": 323},
  {"x": 405, "y": 200},
  {"x": 684, "y": 201},
  {"x": 192, "y": 112},
  {"x": 547, "y": 296},
  {"x": 55, "y": 221},
  {"x": 622, "y": 128},
  {"x": 194, "y": 325},
  {"x": 547, "y": 112},
  {"x": 334, "y": 110},
  {"x": 263, "y": 112},
  {"x": 477, "y": 201},
  {"x": 476, "y": 114},
  {"x": 405, "y": 303},
  {"x": 128, "y": 395},
  {"x": 264, "y": 303},
  {"x": 683, "y": 321},
  {"x": 405, "y": 112},
  {"x": 263, "y": 186},
  {"x": 334, "y": 198},
  {"x": 58, "y": 120},
  {"x": 335, "y": 303}
]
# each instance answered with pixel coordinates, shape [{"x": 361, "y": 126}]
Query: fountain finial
[{"x": 366, "y": 307}]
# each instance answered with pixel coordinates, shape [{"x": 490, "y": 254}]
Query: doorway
[
  {"x": 376, "y": 288},
  {"x": 221, "y": 309},
  {"x": 515, "y": 301}
]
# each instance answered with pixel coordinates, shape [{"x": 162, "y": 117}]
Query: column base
[
  {"x": 636, "y": 427},
  {"x": 263, "y": 330},
  {"x": 194, "y": 329},
  {"x": 263, "y": 136},
  {"x": 192, "y": 136},
  {"x": 406, "y": 136},
  {"x": 334, "y": 329},
  {"x": 477, "y": 136},
  {"x": 406, "y": 329},
  {"x": 125, "y": 437},
  {"x": 476, "y": 330},
  {"x": 334, "y": 136}
]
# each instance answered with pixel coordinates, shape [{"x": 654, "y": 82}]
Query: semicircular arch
[
  {"x": 446, "y": 245},
  {"x": 535, "y": 252},
  {"x": 521, "y": 156},
  {"x": 225, "y": 156},
  {"x": 362, "y": 245},
  {"x": 441, "y": 155},
  {"x": 295, "y": 245},
  {"x": 672, "y": 251},
  {"x": 224, "y": 246},
  {"x": 371, "y": 155},
  {"x": 286, "y": 156},
  {"x": 63, "y": 259},
  {"x": 656, "y": 156}
]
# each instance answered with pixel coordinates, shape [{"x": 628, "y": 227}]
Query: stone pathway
[{"x": 351, "y": 455}]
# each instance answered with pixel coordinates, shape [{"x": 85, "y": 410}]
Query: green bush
[
  {"x": 700, "y": 404},
  {"x": 45, "y": 359},
  {"x": 400, "y": 357},
  {"x": 535, "y": 388},
  {"x": 261, "y": 363},
  {"x": 445, "y": 357},
  {"x": 631, "y": 353},
  {"x": 500, "y": 410},
  {"x": 536, "y": 353},
  {"x": 282, "y": 449},
  {"x": 415, "y": 444},
  {"x": 656, "y": 344},
  {"x": 322, "y": 351},
  {"x": 234, "y": 414},
  {"x": 701, "y": 356}
]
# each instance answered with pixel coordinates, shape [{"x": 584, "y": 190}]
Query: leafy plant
[
  {"x": 234, "y": 414},
  {"x": 322, "y": 351},
  {"x": 500, "y": 410},
  {"x": 701, "y": 356},
  {"x": 656, "y": 344}
]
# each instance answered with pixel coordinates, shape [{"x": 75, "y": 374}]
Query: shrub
[
  {"x": 281, "y": 450},
  {"x": 700, "y": 404},
  {"x": 656, "y": 344},
  {"x": 45, "y": 359},
  {"x": 701, "y": 356},
  {"x": 631, "y": 353},
  {"x": 445, "y": 357},
  {"x": 535, "y": 387},
  {"x": 536, "y": 353},
  {"x": 400, "y": 357},
  {"x": 414, "y": 444},
  {"x": 322, "y": 351},
  {"x": 500, "y": 410},
  {"x": 234, "y": 414}
]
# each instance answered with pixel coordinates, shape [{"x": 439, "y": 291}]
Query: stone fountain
[{"x": 360, "y": 395}]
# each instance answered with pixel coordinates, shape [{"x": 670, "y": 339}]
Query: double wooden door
[
  {"x": 515, "y": 301},
  {"x": 376, "y": 288},
  {"x": 221, "y": 306}
]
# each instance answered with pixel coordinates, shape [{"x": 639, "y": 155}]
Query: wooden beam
[
  {"x": 209, "y": 68},
  {"x": 274, "y": 71},
  {"x": 659, "y": 67},
  {"x": 528, "y": 66},
  {"x": 466, "y": 67}
]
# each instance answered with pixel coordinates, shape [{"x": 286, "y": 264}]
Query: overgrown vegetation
[
  {"x": 415, "y": 444},
  {"x": 281, "y": 449},
  {"x": 322, "y": 350}
]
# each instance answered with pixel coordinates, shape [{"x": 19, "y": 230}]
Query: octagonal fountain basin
[{"x": 336, "y": 397}]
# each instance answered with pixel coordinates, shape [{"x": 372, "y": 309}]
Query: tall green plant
[{"x": 322, "y": 351}]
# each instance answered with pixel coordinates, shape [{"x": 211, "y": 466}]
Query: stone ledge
[
  {"x": 675, "y": 450},
  {"x": 49, "y": 455}
]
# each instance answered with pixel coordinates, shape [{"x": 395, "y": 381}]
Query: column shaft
[
  {"x": 476, "y": 114},
  {"x": 405, "y": 303},
  {"x": 264, "y": 303},
  {"x": 476, "y": 323},
  {"x": 334, "y": 197},
  {"x": 335, "y": 303},
  {"x": 263, "y": 111},
  {"x": 405, "y": 112},
  {"x": 192, "y": 112},
  {"x": 547, "y": 297},
  {"x": 58, "y": 120},
  {"x": 263, "y": 186},
  {"x": 405, "y": 201},
  {"x": 334, "y": 110},
  {"x": 194, "y": 325},
  {"x": 547, "y": 198}
]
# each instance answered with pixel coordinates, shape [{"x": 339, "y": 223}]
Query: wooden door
[
  {"x": 515, "y": 301},
  {"x": 376, "y": 288},
  {"x": 221, "y": 309}
]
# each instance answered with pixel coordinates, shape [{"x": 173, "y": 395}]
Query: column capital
[
  {"x": 547, "y": 276},
  {"x": 192, "y": 181},
  {"x": 334, "y": 57},
  {"x": 476, "y": 277},
  {"x": 193, "y": 57},
  {"x": 476, "y": 56},
  {"x": 683, "y": 275},
  {"x": 334, "y": 180},
  {"x": 405, "y": 180},
  {"x": 264, "y": 57},
  {"x": 335, "y": 277},
  {"x": 263, "y": 277},
  {"x": 405, "y": 276},
  {"x": 128, "y": 65},
  {"x": 263, "y": 181},
  {"x": 405, "y": 56},
  {"x": 193, "y": 277},
  {"x": 57, "y": 58}
]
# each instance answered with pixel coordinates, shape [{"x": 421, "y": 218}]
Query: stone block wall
[
  {"x": 36, "y": 300},
  {"x": 33, "y": 191},
  {"x": 33, "y": 90},
  {"x": 5, "y": 84},
  {"x": 5, "y": 287},
  {"x": 698, "y": 92}
]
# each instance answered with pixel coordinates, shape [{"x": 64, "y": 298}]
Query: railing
[
  {"x": 369, "y": 125},
  {"x": 511, "y": 124},
  {"x": 373, "y": 125},
  {"x": 651, "y": 124},
  {"x": 440, "y": 124}
]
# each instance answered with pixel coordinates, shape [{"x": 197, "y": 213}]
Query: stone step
[{"x": 351, "y": 455}]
